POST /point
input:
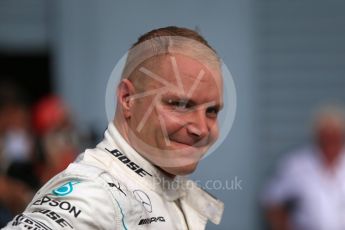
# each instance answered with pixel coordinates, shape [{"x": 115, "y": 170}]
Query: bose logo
[{"x": 130, "y": 164}]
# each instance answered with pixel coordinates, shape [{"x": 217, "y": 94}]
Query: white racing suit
[{"x": 113, "y": 187}]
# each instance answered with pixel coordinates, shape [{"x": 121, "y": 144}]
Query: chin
[{"x": 180, "y": 171}]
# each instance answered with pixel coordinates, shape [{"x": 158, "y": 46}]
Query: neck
[{"x": 122, "y": 127}]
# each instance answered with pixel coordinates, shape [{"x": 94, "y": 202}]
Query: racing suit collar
[{"x": 171, "y": 188}]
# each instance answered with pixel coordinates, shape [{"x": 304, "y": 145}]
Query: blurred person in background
[
  {"x": 308, "y": 190},
  {"x": 15, "y": 126},
  {"x": 35, "y": 144},
  {"x": 16, "y": 151},
  {"x": 57, "y": 139}
]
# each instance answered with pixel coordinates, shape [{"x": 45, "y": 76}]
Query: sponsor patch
[
  {"x": 130, "y": 164},
  {"x": 62, "y": 205},
  {"x": 29, "y": 223},
  {"x": 151, "y": 220},
  {"x": 65, "y": 189},
  {"x": 144, "y": 199},
  {"x": 55, "y": 217},
  {"x": 117, "y": 186}
]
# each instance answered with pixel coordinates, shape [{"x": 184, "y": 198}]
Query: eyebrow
[{"x": 211, "y": 104}]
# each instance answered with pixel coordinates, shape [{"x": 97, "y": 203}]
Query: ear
[{"x": 124, "y": 92}]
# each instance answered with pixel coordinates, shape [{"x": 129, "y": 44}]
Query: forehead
[{"x": 183, "y": 75}]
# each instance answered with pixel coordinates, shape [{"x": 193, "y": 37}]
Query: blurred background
[{"x": 287, "y": 58}]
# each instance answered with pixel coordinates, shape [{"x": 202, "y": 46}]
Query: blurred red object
[
  {"x": 48, "y": 114},
  {"x": 57, "y": 136}
]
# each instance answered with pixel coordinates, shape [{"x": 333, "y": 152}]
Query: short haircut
[
  {"x": 167, "y": 41},
  {"x": 173, "y": 31}
]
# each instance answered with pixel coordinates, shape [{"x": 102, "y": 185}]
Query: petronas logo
[{"x": 65, "y": 189}]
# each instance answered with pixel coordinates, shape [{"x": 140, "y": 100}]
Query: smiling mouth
[
  {"x": 187, "y": 145},
  {"x": 194, "y": 145}
]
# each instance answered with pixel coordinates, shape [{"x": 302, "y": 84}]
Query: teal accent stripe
[{"x": 123, "y": 216}]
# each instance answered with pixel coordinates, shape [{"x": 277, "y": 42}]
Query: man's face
[
  {"x": 174, "y": 118},
  {"x": 330, "y": 138}
]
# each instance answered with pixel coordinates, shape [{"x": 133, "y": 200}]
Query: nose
[{"x": 198, "y": 126}]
